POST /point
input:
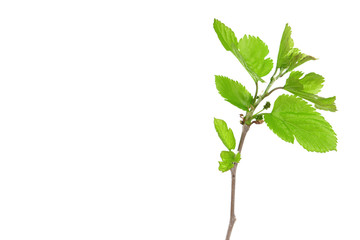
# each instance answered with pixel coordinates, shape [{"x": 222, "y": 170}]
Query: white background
[{"x": 106, "y": 123}]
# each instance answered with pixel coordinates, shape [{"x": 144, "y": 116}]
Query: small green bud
[
  {"x": 267, "y": 105},
  {"x": 259, "y": 117}
]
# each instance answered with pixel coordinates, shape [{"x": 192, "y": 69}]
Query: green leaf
[
  {"x": 310, "y": 83},
  {"x": 237, "y": 158},
  {"x": 286, "y": 44},
  {"x": 290, "y": 57},
  {"x": 254, "y": 52},
  {"x": 228, "y": 160},
  {"x": 225, "y": 34},
  {"x": 225, "y": 166},
  {"x": 241, "y": 59},
  {"x": 233, "y": 92},
  {"x": 293, "y": 118},
  {"x": 327, "y": 104},
  {"x": 229, "y": 41},
  {"x": 295, "y": 58},
  {"x": 225, "y": 134},
  {"x": 306, "y": 88}
]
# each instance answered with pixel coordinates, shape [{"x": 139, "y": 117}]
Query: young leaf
[
  {"x": 225, "y": 134},
  {"x": 306, "y": 88},
  {"x": 286, "y": 44},
  {"x": 225, "y": 34},
  {"x": 295, "y": 58},
  {"x": 327, "y": 104},
  {"x": 293, "y": 118},
  {"x": 237, "y": 158},
  {"x": 225, "y": 166},
  {"x": 241, "y": 59},
  {"x": 310, "y": 83},
  {"x": 233, "y": 92},
  {"x": 254, "y": 52},
  {"x": 229, "y": 41},
  {"x": 228, "y": 159},
  {"x": 290, "y": 57}
]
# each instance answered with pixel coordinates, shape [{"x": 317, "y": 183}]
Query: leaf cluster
[
  {"x": 293, "y": 116},
  {"x": 227, "y": 137}
]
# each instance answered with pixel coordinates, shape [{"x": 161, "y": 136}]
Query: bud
[{"x": 267, "y": 105}]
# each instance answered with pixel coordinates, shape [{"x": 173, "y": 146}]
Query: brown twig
[{"x": 233, "y": 182}]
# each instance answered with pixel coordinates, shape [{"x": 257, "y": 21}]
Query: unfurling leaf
[
  {"x": 225, "y": 166},
  {"x": 307, "y": 87},
  {"x": 293, "y": 118},
  {"x": 286, "y": 44},
  {"x": 237, "y": 158},
  {"x": 228, "y": 160},
  {"x": 234, "y": 92},
  {"x": 225, "y": 134},
  {"x": 289, "y": 57}
]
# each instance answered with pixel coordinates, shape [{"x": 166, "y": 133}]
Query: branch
[
  {"x": 233, "y": 182},
  {"x": 241, "y": 143},
  {"x": 274, "y": 90},
  {"x": 243, "y": 135}
]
